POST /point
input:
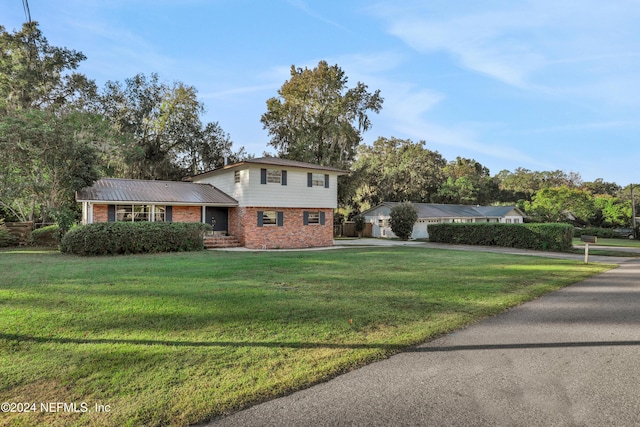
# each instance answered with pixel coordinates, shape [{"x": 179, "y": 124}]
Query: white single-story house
[
  {"x": 265, "y": 203},
  {"x": 432, "y": 213}
]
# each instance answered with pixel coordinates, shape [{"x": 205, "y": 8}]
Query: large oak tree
[{"x": 316, "y": 118}]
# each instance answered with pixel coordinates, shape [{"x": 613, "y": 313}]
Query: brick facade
[
  {"x": 293, "y": 234},
  {"x": 243, "y": 224},
  {"x": 100, "y": 213},
  {"x": 186, "y": 214}
]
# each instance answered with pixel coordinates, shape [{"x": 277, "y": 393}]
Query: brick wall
[
  {"x": 233, "y": 225},
  {"x": 293, "y": 234},
  {"x": 186, "y": 214},
  {"x": 100, "y": 213}
]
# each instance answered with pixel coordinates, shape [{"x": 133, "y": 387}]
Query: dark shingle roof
[
  {"x": 434, "y": 210},
  {"x": 276, "y": 161},
  {"x": 134, "y": 190}
]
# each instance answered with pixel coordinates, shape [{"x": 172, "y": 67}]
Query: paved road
[{"x": 570, "y": 358}]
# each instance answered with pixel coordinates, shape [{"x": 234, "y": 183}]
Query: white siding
[{"x": 250, "y": 192}]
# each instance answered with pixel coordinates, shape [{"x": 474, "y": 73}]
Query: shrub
[
  {"x": 6, "y": 238},
  {"x": 46, "y": 236},
  {"x": 359, "y": 224},
  {"x": 113, "y": 238},
  {"x": 605, "y": 233},
  {"x": 545, "y": 237},
  {"x": 403, "y": 217}
]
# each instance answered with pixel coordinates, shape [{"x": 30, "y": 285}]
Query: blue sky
[{"x": 540, "y": 84}]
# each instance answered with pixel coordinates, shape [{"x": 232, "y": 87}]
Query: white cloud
[{"x": 583, "y": 48}]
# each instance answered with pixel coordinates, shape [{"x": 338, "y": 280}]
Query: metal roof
[
  {"x": 147, "y": 191},
  {"x": 434, "y": 210},
  {"x": 276, "y": 161}
]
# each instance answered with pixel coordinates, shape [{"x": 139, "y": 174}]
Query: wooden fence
[
  {"x": 348, "y": 229},
  {"x": 21, "y": 230}
]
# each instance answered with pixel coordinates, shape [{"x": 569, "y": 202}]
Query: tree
[
  {"x": 562, "y": 204},
  {"x": 457, "y": 191},
  {"x": 35, "y": 75},
  {"x": 47, "y": 157},
  {"x": 523, "y": 183},
  {"x": 467, "y": 182},
  {"x": 210, "y": 148},
  {"x": 317, "y": 119},
  {"x": 395, "y": 169},
  {"x": 403, "y": 218},
  {"x": 48, "y": 130},
  {"x": 162, "y": 134},
  {"x": 600, "y": 187},
  {"x": 611, "y": 211}
]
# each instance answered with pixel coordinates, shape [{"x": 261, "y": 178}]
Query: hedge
[
  {"x": 605, "y": 233},
  {"x": 46, "y": 236},
  {"x": 112, "y": 238},
  {"x": 544, "y": 237}
]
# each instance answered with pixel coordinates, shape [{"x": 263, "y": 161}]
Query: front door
[{"x": 218, "y": 218}]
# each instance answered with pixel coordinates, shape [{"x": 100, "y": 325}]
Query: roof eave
[{"x": 156, "y": 202}]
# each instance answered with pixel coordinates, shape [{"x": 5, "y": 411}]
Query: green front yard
[
  {"x": 173, "y": 339},
  {"x": 625, "y": 243}
]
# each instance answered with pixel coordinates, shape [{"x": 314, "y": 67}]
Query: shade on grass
[{"x": 173, "y": 339}]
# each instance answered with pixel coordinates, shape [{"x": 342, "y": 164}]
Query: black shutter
[
  {"x": 284, "y": 177},
  {"x": 305, "y": 218},
  {"x": 168, "y": 215},
  {"x": 263, "y": 176},
  {"x": 260, "y": 218},
  {"x": 280, "y": 218},
  {"x": 309, "y": 179},
  {"x": 321, "y": 218},
  {"x": 111, "y": 213},
  {"x": 326, "y": 181}
]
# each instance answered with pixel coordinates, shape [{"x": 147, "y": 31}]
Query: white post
[{"x": 586, "y": 253}]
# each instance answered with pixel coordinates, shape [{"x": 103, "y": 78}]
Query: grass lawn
[
  {"x": 625, "y": 243},
  {"x": 174, "y": 339}
]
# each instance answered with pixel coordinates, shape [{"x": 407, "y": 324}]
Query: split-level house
[
  {"x": 432, "y": 213},
  {"x": 264, "y": 203}
]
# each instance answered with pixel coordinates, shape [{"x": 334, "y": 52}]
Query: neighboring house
[
  {"x": 265, "y": 203},
  {"x": 430, "y": 213}
]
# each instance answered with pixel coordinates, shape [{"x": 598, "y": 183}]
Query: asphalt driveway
[{"x": 570, "y": 358}]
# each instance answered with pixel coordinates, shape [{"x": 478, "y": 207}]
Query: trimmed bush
[
  {"x": 542, "y": 237},
  {"x": 403, "y": 217},
  {"x": 113, "y": 238},
  {"x": 46, "y": 236}
]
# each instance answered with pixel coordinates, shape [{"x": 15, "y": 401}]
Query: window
[
  {"x": 141, "y": 213},
  {"x": 317, "y": 180},
  {"x": 138, "y": 213},
  {"x": 269, "y": 218},
  {"x": 274, "y": 176},
  {"x": 160, "y": 214},
  {"x": 124, "y": 213},
  {"x": 313, "y": 218},
  {"x": 236, "y": 177}
]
